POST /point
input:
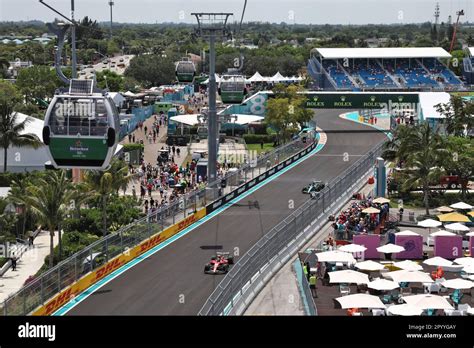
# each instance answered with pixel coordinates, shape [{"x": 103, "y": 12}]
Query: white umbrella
[
  {"x": 353, "y": 248},
  {"x": 408, "y": 265},
  {"x": 407, "y": 233},
  {"x": 409, "y": 276},
  {"x": 383, "y": 284},
  {"x": 471, "y": 277},
  {"x": 405, "y": 310},
  {"x": 470, "y": 234},
  {"x": 360, "y": 301},
  {"x": 444, "y": 209},
  {"x": 464, "y": 261},
  {"x": 335, "y": 256},
  {"x": 429, "y": 223},
  {"x": 427, "y": 301},
  {"x": 381, "y": 200},
  {"x": 442, "y": 233},
  {"x": 371, "y": 210},
  {"x": 469, "y": 269},
  {"x": 348, "y": 276},
  {"x": 438, "y": 261},
  {"x": 461, "y": 205},
  {"x": 369, "y": 265},
  {"x": 458, "y": 284},
  {"x": 457, "y": 227},
  {"x": 390, "y": 248},
  {"x": 471, "y": 310}
]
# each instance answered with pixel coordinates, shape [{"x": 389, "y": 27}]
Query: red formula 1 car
[{"x": 219, "y": 264}]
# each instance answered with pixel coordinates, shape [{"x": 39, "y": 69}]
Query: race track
[{"x": 172, "y": 282}]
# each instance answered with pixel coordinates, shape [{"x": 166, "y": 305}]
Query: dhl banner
[{"x": 91, "y": 278}]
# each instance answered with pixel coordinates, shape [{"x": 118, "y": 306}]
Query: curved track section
[{"x": 172, "y": 280}]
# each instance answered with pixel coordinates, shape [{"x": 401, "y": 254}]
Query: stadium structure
[
  {"x": 369, "y": 69},
  {"x": 468, "y": 66}
]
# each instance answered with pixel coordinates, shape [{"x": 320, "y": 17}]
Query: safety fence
[
  {"x": 52, "y": 289},
  {"x": 256, "y": 267}
]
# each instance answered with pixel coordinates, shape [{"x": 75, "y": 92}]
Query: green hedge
[
  {"x": 131, "y": 147},
  {"x": 258, "y": 138}
]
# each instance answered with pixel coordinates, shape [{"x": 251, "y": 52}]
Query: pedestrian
[
  {"x": 146, "y": 128},
  {"x": 400, "y": 213},
  {"x": 134, "y": 193},
  {"x": 178, "y": 151},
  {"x": 142, "y": 191},
  {"x": 154, "y": 137},
  {"x": 150, "y": 138},
  {"x": 129, "y": 137},
  {"x": 13, "y": 260},
  {"x": 312, "y": 285},
  {"x": 133, "y": 138},
  {"x": 261, "y": 144},
  {"x": 174, "y": 149}
]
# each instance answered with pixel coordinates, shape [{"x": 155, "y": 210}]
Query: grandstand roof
[{"x": 387, "y": 52}]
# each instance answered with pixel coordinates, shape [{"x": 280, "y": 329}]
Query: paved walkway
[{"x": 29, "y": 264}]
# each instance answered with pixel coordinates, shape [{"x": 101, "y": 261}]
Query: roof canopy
[{"x": 386, "y": 52}]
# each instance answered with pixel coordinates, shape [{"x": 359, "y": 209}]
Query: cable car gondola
[
  {"x": 185, "y": 71},
  {"x": 232, "y": 89},
  {"x": 81, "y": 127}
]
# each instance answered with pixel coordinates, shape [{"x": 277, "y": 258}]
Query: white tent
[
  {"x": 408, "y": 265},
  {"x": 429, "y": 223},
  {"x": 360, "y": 301},
  {"x": 348, "y": 276},
  {"x": 438, "y": 261},
  {"x": 194, "y": 119},
  {"x": 426, "y": 301},
  {"x": 256, "y": 78},
  {"x": 469, "y": 269},
  {"x": 129, "y": 94},
  {"x": 369, "y": 265},
  {"x": 457, "y": 227},
  {"x": 409, "y": 276},
  {"x": 405, "y": 310},
  {"x": 278, "y": 78},
  {"x": 461, "y": 205}
]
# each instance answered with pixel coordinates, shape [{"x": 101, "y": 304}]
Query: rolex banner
[{"x": 361, "y": 101}]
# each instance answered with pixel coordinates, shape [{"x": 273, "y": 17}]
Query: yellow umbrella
[
  {"x": 371, "y": 210},
  {"x": 453, "y": 217},
  {"x": 381, "y": 200},
  {"x": 471, "y": 213}
]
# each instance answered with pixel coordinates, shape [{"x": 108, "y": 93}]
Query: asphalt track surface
[{"x": 172, "y": 281}]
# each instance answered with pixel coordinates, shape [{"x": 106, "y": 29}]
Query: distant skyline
[{"x": 275, "y": 11}]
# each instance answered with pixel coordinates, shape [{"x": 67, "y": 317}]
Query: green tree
[
  {"x": 11, "y": 130},
  {"x": 37, "y": 82},
  {"x": 110, "y": 79},
  {"x": 48, "y": 198},
  {"x": 104, "y": 184},
  {"x": 460, "y": 160},
  {"x": 459, "y": 115},
  {"x": 151, "y": 70}
]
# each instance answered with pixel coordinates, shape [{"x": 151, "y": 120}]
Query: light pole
[
  {"x": 111, "y": 3},
  {"x": 211, "y": 26}
]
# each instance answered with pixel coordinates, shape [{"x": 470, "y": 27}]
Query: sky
[{"x": 275, "y": 11}]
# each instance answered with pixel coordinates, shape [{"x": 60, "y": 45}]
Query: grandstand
[
  {"x": 468, "y": 66},
  {"x": 360, "y": 69}
]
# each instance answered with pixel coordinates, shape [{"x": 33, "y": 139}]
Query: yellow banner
[{"x": 91, "y": 278}]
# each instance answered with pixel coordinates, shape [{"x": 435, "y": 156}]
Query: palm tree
[
  {"x": 49, "y": 197},
  {"x": 18, "y": 195},
  {"x": 103, "y": 184},
  {"x": 425, "y": 152},
  {"x": 11, "y": 130}
]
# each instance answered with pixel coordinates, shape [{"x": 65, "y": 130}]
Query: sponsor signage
[{"x": 389, "y": 101}]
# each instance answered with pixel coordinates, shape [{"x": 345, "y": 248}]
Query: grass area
[
  {"x": 258, "y": 147},
  {"x": 3, "y": 260}
]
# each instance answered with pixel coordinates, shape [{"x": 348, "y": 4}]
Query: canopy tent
[
  {"x": 427, "y": 301},
  {"x": 405, "y": 310},
  {"x": 218, "y": 79},
  {"x": 369, "y": 265},
  {"x": 348, "y": 276},
  {"x": 129, "y": 94},
  {"x": 438, "y": 261},
  {"x": 360, "y": 301},
  {"x": 382, "y": 53},
  {"x": 256, "y": 78},
  {"x": 457, "y": 227},
  {"x": 409, "y": 276},
  {"x": 353, "y": 248},
  {"x": 461, "y": 206},
  {"x": 278, "y": 78},
  {"x": 453, "y": 217},
  {"x": 383, "y": 285},
  {"x": 408, "y": 265},
  {"x": 429, "y": 223}
]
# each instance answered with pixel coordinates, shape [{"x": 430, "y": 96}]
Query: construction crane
[{"x": 459, "y": 14}]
